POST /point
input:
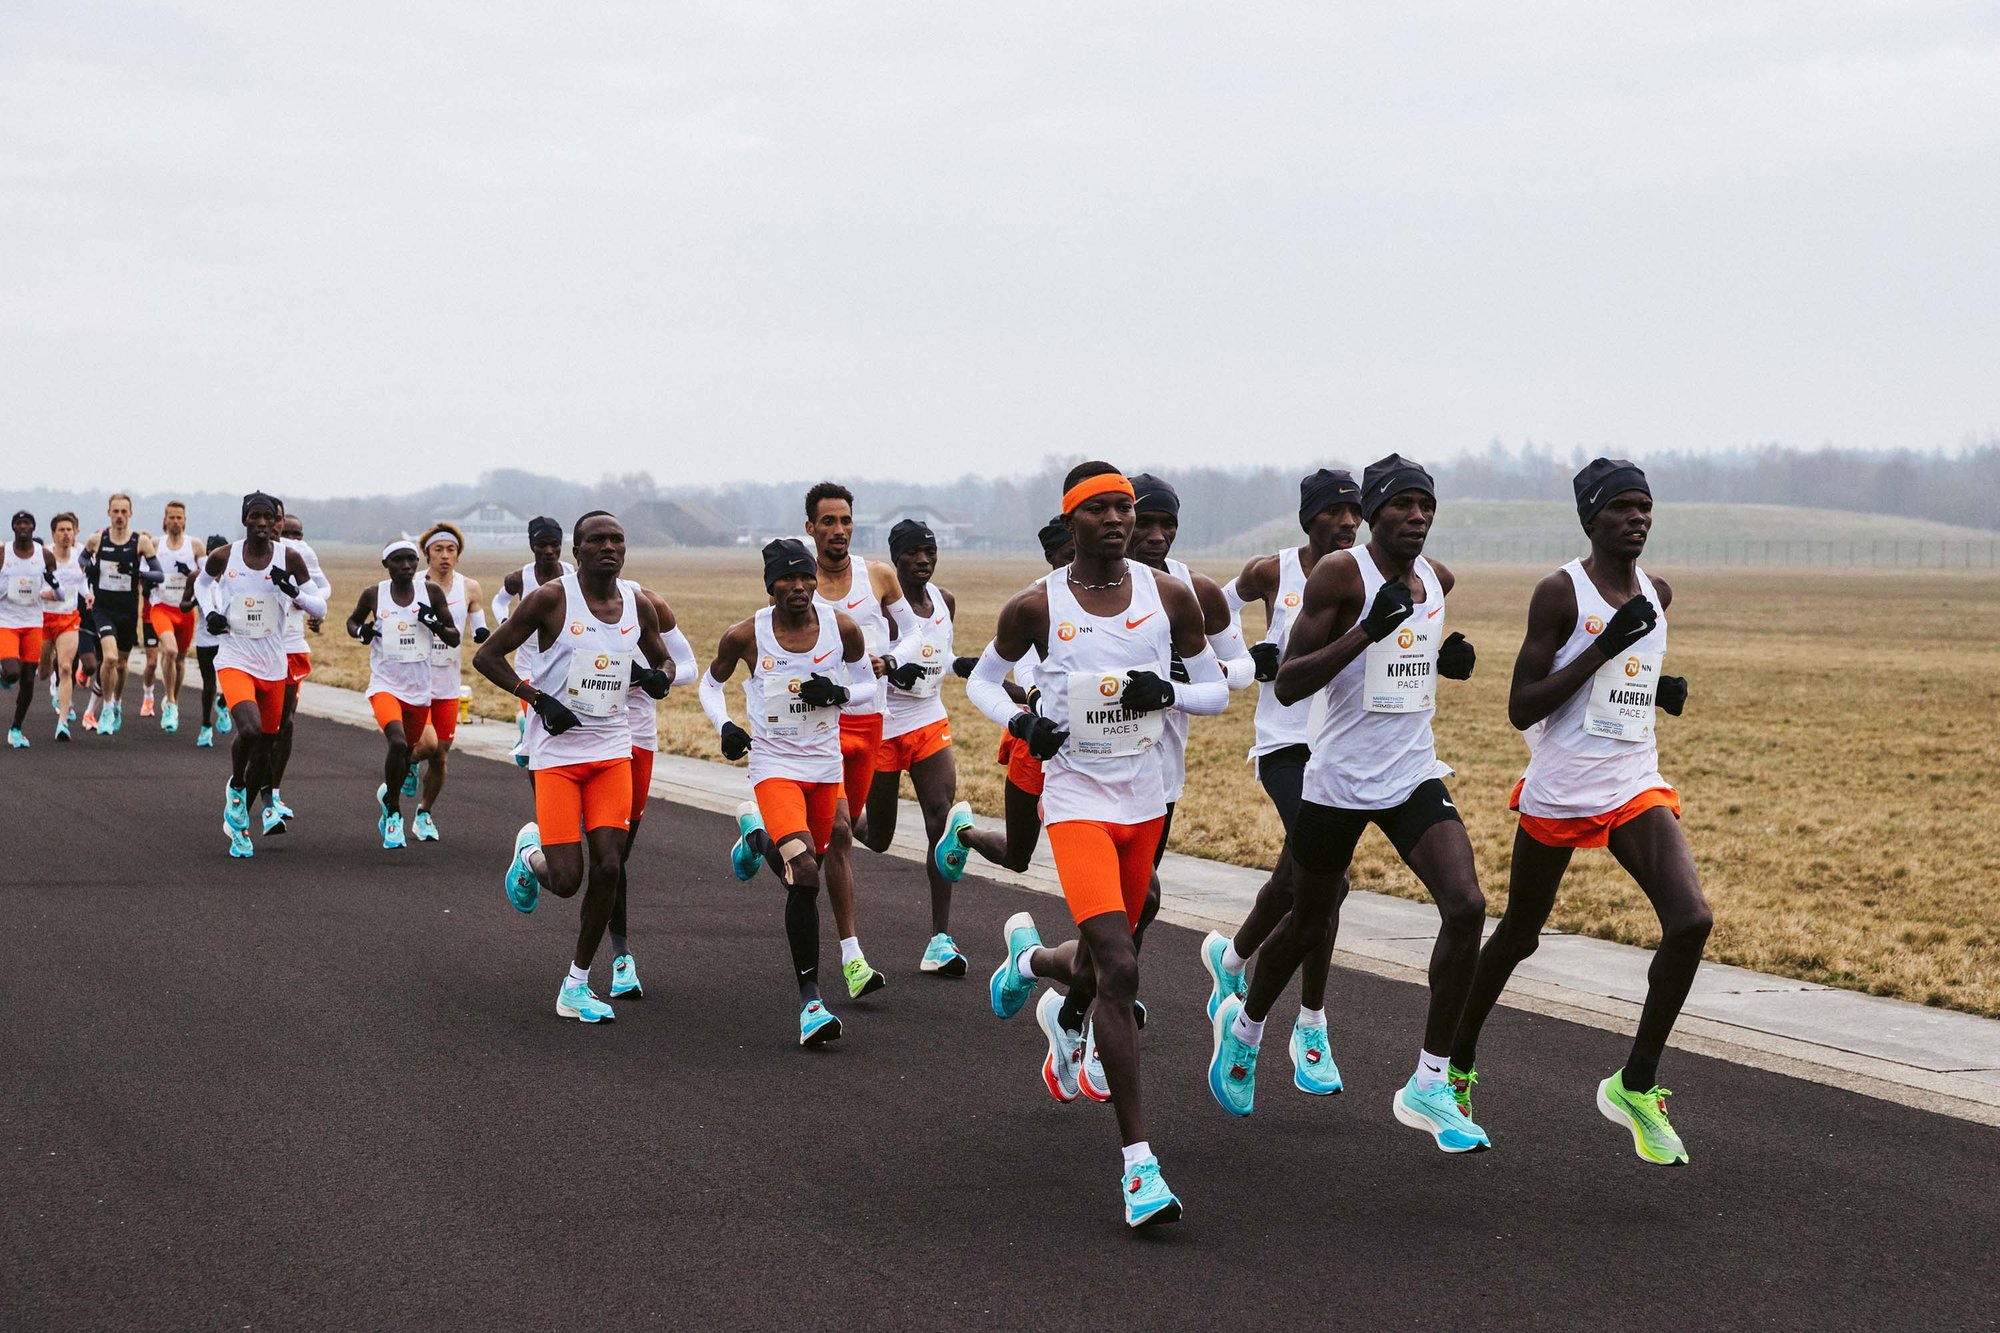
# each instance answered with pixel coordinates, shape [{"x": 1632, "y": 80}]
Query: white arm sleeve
[
  {"x": 861, "y": 678},
  {"x": 986, "y": 687},
  {"x": 1237, "y": 666},
  {"x": 912, "y": 641},
  {"x": 1206, "y": 692},
  {"x": 476, "y": 621},
  {"x": 1234, "y": 599},
  {"x": 501, "y": 603},
  {"x": 713, "y": 701},
  {"x": 205, "y": 585},
  {"x": 681, "y": 653}
]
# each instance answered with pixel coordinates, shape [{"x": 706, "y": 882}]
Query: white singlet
[
  {"x": 255, "y": 643},
  {"x": 1279, "y": 725},
  {"x": 526, "y": 655},
  {"x": 588, "y": 668},
  {"x": 1384, "y": 753},
  {"x": 923, "y": 704},
  {"x": 399, "y": 657},
  {"x": 789, "y": 739},
  {"x": 864, "y": 608},
  {"x": 1106, "y": 769},
  {"x": 177, "y": 563},
  {"x": 1596, "y": 751},
  {"x": 445, "y": 674},
  {"x": 71, "y": 583},
  {"x": 22, "y": 579},
  {"x": 295, "y": 616},
  {"x": 1174, "y": 734},
  {"x": 642, "y": 710}
]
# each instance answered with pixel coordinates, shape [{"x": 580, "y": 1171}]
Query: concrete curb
[{"x": 1933, "y": 1059}]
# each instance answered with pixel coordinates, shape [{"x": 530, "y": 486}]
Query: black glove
[
  {"x": 1177, "y": 669},
  {"x": 126, "y": 562},
  {"x": 1145, "y": 692},
  {"x": 1266, "y": 656},
  {"x": 48, "y": 577},
  {"x": 282, "y": 580},
  {"x": 482, "y": 634},
  {"x": 1391, "y": 607},
  {"x": 554, "y": 713},
  {"x": 1672, "y": 694},
  {"x": 962, "y": 666},
  {"x": 217, "y": 622},
  {"x": 1628, "y": 624},
  {"x": 1042, "y": 737},
  {"x": 428, "y": 617},
  {"x": 820, "y": 692},
  {"x": 1455, "y": 657},
  {"x": 735, "y": 741},
  {"x": 365, "y": 631},
  {"x": 651, "y": 679},
  {"x": 903, "y": 675}
]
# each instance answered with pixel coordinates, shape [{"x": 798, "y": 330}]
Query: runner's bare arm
[
  {"x": 364, "y": 611},
  {"x": 651, "y": 646},
  {"x": 1327, "y": 634},
  {"x": 540, "y": 614},
  {"x": 1535, "y": 691}
]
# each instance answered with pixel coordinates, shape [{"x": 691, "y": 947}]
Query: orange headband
[{"x": 1089, "y": 487}]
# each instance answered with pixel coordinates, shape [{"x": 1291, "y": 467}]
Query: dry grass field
[{"x": 1836, "y": 760}]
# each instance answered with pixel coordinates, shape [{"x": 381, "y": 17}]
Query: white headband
[
  {"x": 404, "y": 545},
  {"x": 437, "y": 537}
]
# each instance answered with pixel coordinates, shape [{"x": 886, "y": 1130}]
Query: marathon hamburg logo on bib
[
  {"x": 1099, "y": 727},
  {"x": 1620, "y": 705}
]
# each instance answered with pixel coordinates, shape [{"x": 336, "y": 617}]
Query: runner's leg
[
  {"x": 936, "y": 782},
  {"x": 1655, "y": 852},
  {"x": 1535, "y": 872},
  {"x": 1014, "y": 848},
  {"x": 1442, "y": 859}
]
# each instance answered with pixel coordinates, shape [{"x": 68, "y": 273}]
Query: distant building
[
  {"x": 872, "y": 535},
  {"x": 490, "y": 525},
  {"x": 676, "y": 523}
]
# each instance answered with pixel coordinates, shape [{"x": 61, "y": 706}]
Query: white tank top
[
  {"x": 1597, "y": 750},
  {"x": 399, "y": 657},
  {"x": 788, "y": 739},
  {"x": 1379, "y": 707},
  {"x": 1107, "y": 769},
  {"x": 1279, "y": 725},
  {"x": 526, "y": 655},
  {"x": 1174, "y": 737},
  {"x": 22, "y": 579},
  {"x": 910, "y": 710},
  {"x": 864, "y": 608},
  {"x": 71, "y": 581},
  {"x": 177, "y": 564},
  {"x": 295, "y": 616},
  {"x": 589, "y": 668},
  {"x": 445, "y": 674},
  {"x": 642, "y": 710},
  {"x": 255, "y": 643}
]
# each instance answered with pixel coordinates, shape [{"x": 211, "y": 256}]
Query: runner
[
  {"x": 594, "y": 637},
  {"x": 1370, "y": 633},
  {"x": 62, "y": 620},
  {"x": 545, "y": 541},
  {"x": 643, "y": 715},
  {"x": 1106, "y": 630},
  {"x": 1585, "y": 687},
  {"x": 27, "y": 584},
  {"x": 850, "y": 586},
  {"x": 916, "y": 735},
  {"x": 1014, "y": 847},
  {"x": 123, "y": 562},
  {"x": 401, "y": 622},
  {"x": 206, "y": 642},
  {"x": 442, "y": 543},
  {"x": 1330, "y": 514},
  {"x": 247, "y": 585},
  {"x": 170, "y": 609},
  {"x": 278, "y": 814},
  {"x": 804, "y": 661}
]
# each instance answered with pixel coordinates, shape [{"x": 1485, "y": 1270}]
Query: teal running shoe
[
  {"x": 1090, "y": 1080},
  {"x": 1232, "y": 1064},
  {"x": 274, "y": 820},
  {"x": 205, "y": 739},
  {"x": 1065, "y": 1048},
  {"x": 1313, "y": 1069},
  {"x": 17, "y": 739},
  {"x": 383, "y": 812},
  {"x": 1222, "y": 983},
  {"x": 426, "y": 830},
  {"x": 743, "y": 858},
  {"x": 62, "y": 731},
  {"x": 817, "y": 1025},
  {"x": 625, "y": 979},
  {"x": 576, "y": 1000},
  {"x": 410, "y": 781},
  {"x": 1148, "y": 1201},
  {"x": 107, "y": 721},
  {"x": 277, "y": 802},
  {"x": 239, "y": 843},
  {"x": 941, "y": 956},
  {"x": 392, "y": 833},
  {"x": 1435, "y": 1111},
  {"x": 223, "y": 724},
  {"x": 1008, "y": 989},
  {"x": 1645, "y": 1114},
  {"x": 524, "y": 890},
  {"x": 170, "y": 717},
  {"x": 235, "y": 808},
  {"x": 949, "y": 854}
]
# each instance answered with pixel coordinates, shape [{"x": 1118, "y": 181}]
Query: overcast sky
[{"x": 352, "y": 247}]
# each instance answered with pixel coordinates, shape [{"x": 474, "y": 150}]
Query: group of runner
[{"x": 1092, "y": 674}]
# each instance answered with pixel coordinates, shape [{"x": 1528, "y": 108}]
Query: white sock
[
  {"x": 1136, "y": 1153},
  {"x": 850, "y": 949},
  {"x": 1248, "y": 1030},
  {"x": 580, "y": 975},
  {"x": 538, "y": 864},
  {"x": 1023, "y": 966},
  {"x": 1311, "y": 1018},
  {"x": 1232, "y": 961},
  {"x": 1430, "y": 1070}
]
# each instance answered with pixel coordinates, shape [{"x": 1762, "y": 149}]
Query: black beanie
[
  {"x": 908, "y": 534},
  {"x": 785, "y": 557},
  {"x": 1053, "y": 536},
  {"x": 260, "y": 498},
  {"x": 1604, "y": 480},
  {"x": 1154, "y": 495},
  {"x": 540, "y": 526},
  {"x": 1386, "y": 477},
  {"x": 1323, "y": 490}
]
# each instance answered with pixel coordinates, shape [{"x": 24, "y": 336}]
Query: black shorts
[
  {"x": 146, "y": 630},
  {"x": 121, "y": 621},
  {"x": 1283, "y": 773},
  {"x": 1323, "y": 839},
  {"x": 1166, "y": 831}
]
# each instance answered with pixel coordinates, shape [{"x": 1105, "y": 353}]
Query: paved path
[{"x": 328, "y": 1088}]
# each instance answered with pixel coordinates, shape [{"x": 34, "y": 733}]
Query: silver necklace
[{"x": 1096, "y": 587}]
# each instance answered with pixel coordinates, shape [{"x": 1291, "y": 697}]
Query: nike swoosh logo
[
  {"x": 628, "y": 629},
  {"x": 856, "y": 602},
  {"x": 1134, "y": 624},
  {"x": 1447, "y": 805},
  {"x": 1433, "y": 615},
  {"x": 822, "y": 657},
  {"x": 1591, "y": 499}
]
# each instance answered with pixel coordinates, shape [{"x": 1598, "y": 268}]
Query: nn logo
[
  {"x": 1631, "y": 666},
  {"x": 769, "y": 663},
  {"x": 1406, "y": 638},
  {"x": 1108, "y": 686},
  {"x": 576, "y": 627},
  {"x": 1066, "y": 631},
  {"x": 1291, "y": 599},
  {"x": 603, "y": 661},
  {"x": 1593, "y": 625}
]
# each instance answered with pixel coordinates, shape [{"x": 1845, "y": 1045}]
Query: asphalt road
[{"x": 328, "y": 1088}]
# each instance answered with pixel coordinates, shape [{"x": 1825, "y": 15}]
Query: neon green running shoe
[
  {"x": 1645, "y": 1114},
  {"x": 861, "y": 978},
  {"x": 1461, "y": 1081}
]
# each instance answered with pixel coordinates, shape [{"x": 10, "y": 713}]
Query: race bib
[
  {"x": 110, "y": 578},
  {"x": 1620, "y": 704},
  {"x": 1399, "y": 674},
  {"x": 1099, "y": 727},
  {"x": 790, "y": 717},
  {"x": 253, "y": 617},
  {"x": 24, "y": 589},
  {"x": 443, "y": 655},
  {"x": 404, "y": 640},
  {"x": 926, "y": 686},
  {"x": 597, "y": 682},
  {"x": 173, "y": 585}
]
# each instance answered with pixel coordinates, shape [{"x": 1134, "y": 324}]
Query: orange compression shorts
[
  {"x": 444, "y": 719},
  {"x": 1593, "y": 830},
  {"x": 574, "y": 798},
  {"x": 298, "y": 666},
  {"x": 860, "y": 740},
  {"x": 1023, "y": 769},
  {"x": 1105, "y": 867},
  {"x": 898, "y": 754},
  {"x": 25, "y": 644},
  {"x": 642, "y": 781},
  {"x": 66, "y": 622},
  {"x": 171, "y": 621},
  {"x": 791, "y": 807},
  {"x": 240, "y": 687},
  {"x": 388, "y": 708}
]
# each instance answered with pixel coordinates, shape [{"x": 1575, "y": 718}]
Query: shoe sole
[
  {"x": 1416, "y": 1120},
  {"x": 1215, "y": 1026},
  {"x": 876, "y": 981},
  {"x": 951, "y": 967},
  {"x": 821, "y": 1035},
  {"x": 1609, "y": 1110},
  {"x": 564, "y": 1011},
  {"x": 1312, "y": 1090},
  {"x": 1159, "y": 1217},
  {"x": 1091, "y": 1094},
  {"x": 1049, "y": 1079},
  {"x": 1018, "y": 921},
  {"x": 630, "y": 993}
]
